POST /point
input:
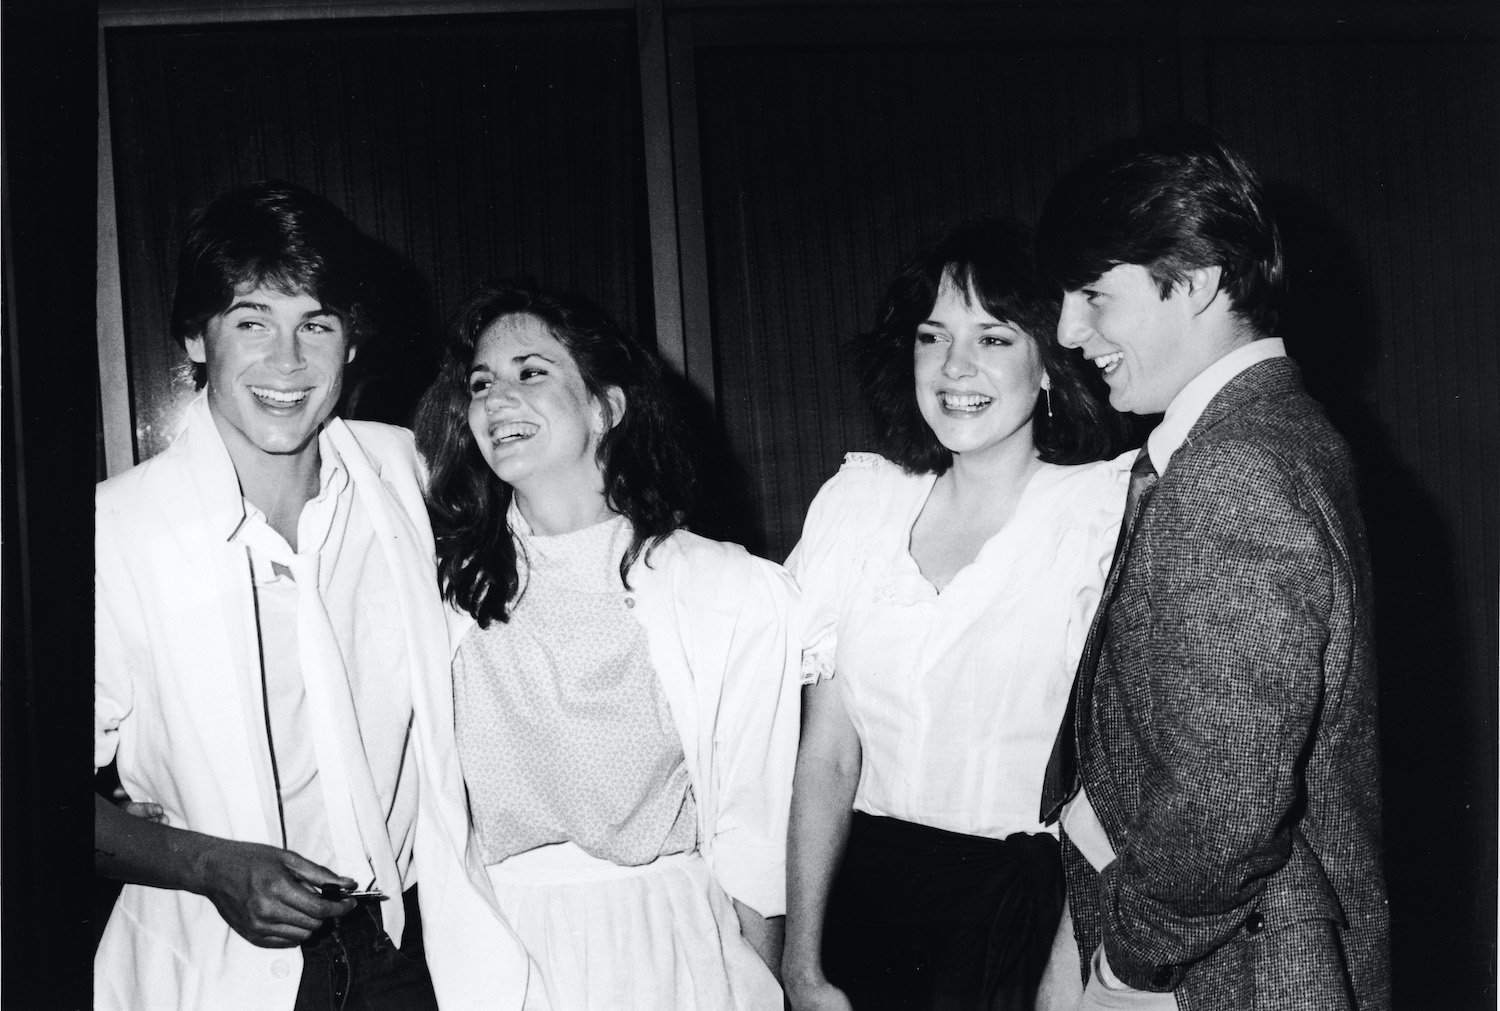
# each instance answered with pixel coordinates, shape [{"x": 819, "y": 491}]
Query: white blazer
[
  {"x": 717, "y": 622},
  {"x": 177, "y": 689}
]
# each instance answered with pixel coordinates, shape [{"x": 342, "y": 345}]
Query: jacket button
[
  {"x": 1255, "y": 923},
  {"x": 280, "y": 968},
  {"x": 1162, "y": 978}
]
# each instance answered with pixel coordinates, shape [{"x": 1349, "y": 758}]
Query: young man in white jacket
[{"x": 266, "y": 613}]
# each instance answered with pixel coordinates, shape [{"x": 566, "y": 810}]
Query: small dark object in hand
[{"x": 336, "y": 892}]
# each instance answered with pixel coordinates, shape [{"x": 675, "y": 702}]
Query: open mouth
[
  {"x": 964, "y": 403},
  {"x": 279, "y": 398},
  {"x": 1108, "y": 363},
  {"x": 512, "y": 431}
]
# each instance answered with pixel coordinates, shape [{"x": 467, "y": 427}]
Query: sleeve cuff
[{"x": 754, "y": 873}]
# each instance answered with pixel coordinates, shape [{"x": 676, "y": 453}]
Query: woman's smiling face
[
  {"x": 531, "y": 413},
  {"x": 977, "y": 377}
]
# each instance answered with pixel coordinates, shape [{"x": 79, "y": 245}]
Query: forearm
[
  {"x": 765, "y": 934},
  {"x": 144, "y": 852},
  {"x": 269, "y": 896},
  {"x": 822, "y": 808}
]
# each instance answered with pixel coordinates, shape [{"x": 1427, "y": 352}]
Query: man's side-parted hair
[
  {"x": 1171, "y": 201},
  {"x": 648, "y": 475},
  {"x": 270, "y": 234},
  {"x": 989, "y": 261}
]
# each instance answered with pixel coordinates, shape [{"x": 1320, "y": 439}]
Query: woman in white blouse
[
  {"x": 624, "y": 696},
  {"x": 947, "y": 587}
]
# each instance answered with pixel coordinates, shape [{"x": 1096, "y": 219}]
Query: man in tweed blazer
[{"x": 1224, "y": 848}]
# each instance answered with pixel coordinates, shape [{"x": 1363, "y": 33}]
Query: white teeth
[
  {"x": 965, "y": 401},
  {"x": 1108, "y": 363},
  {"x": 279, "y": 396},
  {"x": 512, "y": 431}
]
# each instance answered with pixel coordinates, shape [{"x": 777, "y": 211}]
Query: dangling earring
[{"x": 1047, "y": 391}]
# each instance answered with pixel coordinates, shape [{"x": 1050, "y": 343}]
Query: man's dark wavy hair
[
  {"x": 1171, "y": 201},
  {"x": 269, "y": 234},
  {"x": 991, "y": 262},
  {"x": 648, "y": 476}
]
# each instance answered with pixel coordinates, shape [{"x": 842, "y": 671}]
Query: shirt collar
[
  {"x": 1191, "y": 401},
  {"x": 210, "y": 468}
]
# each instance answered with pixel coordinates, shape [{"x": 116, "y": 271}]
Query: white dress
[
  {"x": 956, "y": 695},
  {"x": 581, "y": 795}
]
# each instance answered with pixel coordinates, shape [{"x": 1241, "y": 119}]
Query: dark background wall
[
  {"x": 810, "y": 147},
  {"x": 468, "y": 147}
]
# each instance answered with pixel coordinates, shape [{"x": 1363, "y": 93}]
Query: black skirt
[{"x": 924, "y": 918}]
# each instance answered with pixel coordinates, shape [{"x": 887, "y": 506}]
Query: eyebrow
[
  {"x": 263, "y": 307},
  {"x": 517, "y": 360},
  {"x": 246, "y": 304}
]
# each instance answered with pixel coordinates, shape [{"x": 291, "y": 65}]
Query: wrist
[
  {"x": 799, "y": 973},
  {"x": 201, "y": 858}
]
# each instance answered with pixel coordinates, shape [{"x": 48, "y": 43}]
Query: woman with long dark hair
[
  {"x": 948, "y": 586},
  {"x": 624, "y": 692}
]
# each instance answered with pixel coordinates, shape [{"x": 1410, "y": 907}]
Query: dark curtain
[
  {"x": 1384, "y": 156},
  {"x": 468, "y": 147},
  {"x": 823, "y": 168}
]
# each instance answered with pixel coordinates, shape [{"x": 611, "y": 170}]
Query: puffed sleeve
[
  {"x": 755, "y": 742},
  {"x": 823, "y": 561}
]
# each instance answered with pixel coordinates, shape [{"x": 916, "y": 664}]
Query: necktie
[
  {"x": 1060, "y": 784},
  {"x": 356, "y": 818}
]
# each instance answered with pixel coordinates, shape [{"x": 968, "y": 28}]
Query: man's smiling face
[
  {"x": 275, "y": 369},
  {"x": 1140, "y": 340}
]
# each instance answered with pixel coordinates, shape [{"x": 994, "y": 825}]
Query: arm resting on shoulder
[
  {"x": 828, "y": 767},
  {"x": 267, "y": 895}
]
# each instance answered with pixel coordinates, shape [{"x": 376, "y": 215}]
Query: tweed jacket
[{"x": 1229, "y": 747}]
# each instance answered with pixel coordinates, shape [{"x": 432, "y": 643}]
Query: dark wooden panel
[
  {"x": 822, "y": 168},
  {"x": 1384, "y": 157},
  {"x": 470, "y": 146}
]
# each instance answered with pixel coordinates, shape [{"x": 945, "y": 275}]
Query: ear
[
  {"x": 1201, "y": 286},
  {"x": 612, "y": 410},
  {"x": 197, "y": 349},
  {"x": 1046, "y": 379},
  {"x": 348, "y": 358}
]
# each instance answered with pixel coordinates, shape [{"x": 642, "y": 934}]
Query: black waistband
[
  {"x": 364, "y": 922},
  {"x": 906, "y": 840}
]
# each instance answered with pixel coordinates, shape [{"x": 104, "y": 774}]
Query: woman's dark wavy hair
[
  {"x": 648, "y": 476},
  {"x": 990, "y": 261},
  {"x": 270, "y": 234}
]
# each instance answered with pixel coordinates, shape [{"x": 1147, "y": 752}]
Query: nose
[
  {"x": 1073, "y": 330},
  {"x": 287, "y": 356},
  {"x": 500, "y": 394},
  {"x": 958, "y": 362}
]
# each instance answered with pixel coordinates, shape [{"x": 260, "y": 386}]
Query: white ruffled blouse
[{"x": 956, "y": 695}]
